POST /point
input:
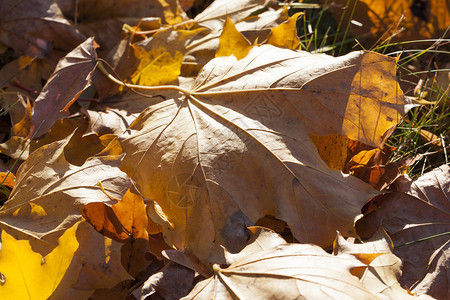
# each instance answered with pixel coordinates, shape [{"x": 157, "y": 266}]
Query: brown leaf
[
  {"x": 96, "y": 265},
  {"x": 416, "y": 217},
  {"x": 88, "y": 10},
  {"x": 114, "y": 115},
  {"x": 290, "y": 271},
  {"x": 19, "y": 147},
  {"x": 34, "y": 27},
  {"x": 105, "y": 19},
  {"x": 26, "y": 74},
  {"x": 373, "y": 166},
  {"x": 70, "y": 78},
  {"x": 173, "y": 281},
  {"x": 50, "y": 192},
  {"x": 238, "y": 147}
]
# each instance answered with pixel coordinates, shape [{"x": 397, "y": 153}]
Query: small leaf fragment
[
  {"x": 285, "y": 34},
  {"x": 232, "y": 42}
]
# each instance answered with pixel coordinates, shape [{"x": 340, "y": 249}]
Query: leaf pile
[{"x": 145, "y": 146}]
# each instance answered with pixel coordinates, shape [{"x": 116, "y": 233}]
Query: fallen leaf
[
  {"x": 258, "y": 28},
  {"x": 232, "y": 42},
  {"x": 383, "y": 268},
  {"x": 261, "y": 239},
  {"x": 25, "y": 274},
  {"x": 186, "y": 4},
  {"x": 202, "y": 49},
  {"x": 332, "y": 149},
  {"x": 214, "y": 16},
  {"x": 381, "y": 176},
  {"x": 70, "y": 78},
  {"x": 50, "y": 192},
  {"x": 15, "y": 147},
  {"x": 285, "y": 34},
  {"x": 26, "y": 75},
  {"x": 160, "y": 57},
  {"x": 104, "y": 19},
  {"x": 96, "y": 265},
  {"x": 19, "y": 147},
  {"x": 108, "y": 121},
  {"x": 34, "y": 27},
  {"x": 115, "y": 114},
  {"x": 290, "y": 271},
  {"x": 124, "y": 222},
  {"x": 7, "y": 179},
  {"x": 173, "y": 281},
  {"x": 261, "y": 125},
  {"x": 416, "y": 216}
]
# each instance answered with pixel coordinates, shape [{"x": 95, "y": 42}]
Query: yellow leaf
[
  {"x": 285, "y": 34},
  {"x": 232, "y": 42},
  {"x": 363, "y": 157},
  {"x": 172, "y": 12},
  {"x": 157, "y": 66},
  {"x": 26, "y": 274},
  {"x": 332, "y": 149}
]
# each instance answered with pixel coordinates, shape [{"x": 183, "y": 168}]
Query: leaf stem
[
  {"x": 101, "y": 67},
  {"x": 22, "y": 87}
]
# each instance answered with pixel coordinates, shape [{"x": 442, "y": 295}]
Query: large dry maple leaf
[{"x": 236, "y": 147}]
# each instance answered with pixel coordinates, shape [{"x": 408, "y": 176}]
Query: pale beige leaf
[
  {"x": 383, "y": 268},
  {"x": 261, "y": 239},
  {"x": 291, "y": 271},
  {"x": 213, "y": 17}
]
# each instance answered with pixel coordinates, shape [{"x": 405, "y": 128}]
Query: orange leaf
[
  {"x": 121, "y": 221},
  {"x": 7, "y": 179}
]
